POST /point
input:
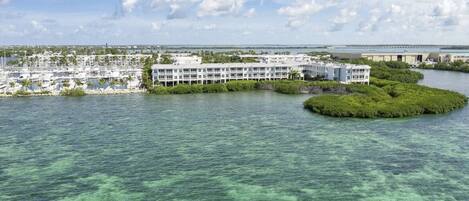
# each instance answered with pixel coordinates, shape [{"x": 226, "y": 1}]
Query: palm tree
[
  {"x": 26, "y": 84},
  {"x": 12, "y": 84},
  {"x": 102, "y": 82},
  {"x": 294, "y": 75}
]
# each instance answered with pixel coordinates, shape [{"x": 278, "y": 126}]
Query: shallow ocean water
[{"x": 233, "y": 146}]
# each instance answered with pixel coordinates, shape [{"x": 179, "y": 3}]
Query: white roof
[
  {"x": 272, "y": 55},
  {"x": 221, "y": 65}
]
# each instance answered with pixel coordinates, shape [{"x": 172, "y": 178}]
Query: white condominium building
[
  {"x": 343, "y": 73},
  {"x": 171, "y": 74}
]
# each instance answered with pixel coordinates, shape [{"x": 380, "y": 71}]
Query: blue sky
[{"x": 37, "y": 22}]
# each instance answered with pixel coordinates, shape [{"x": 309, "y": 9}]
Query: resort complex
[
  {"x": 103, "y": 70},
  {"x": 53, "y": 72}
]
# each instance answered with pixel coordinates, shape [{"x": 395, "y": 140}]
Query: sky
[{"x": 233, "y": 22}]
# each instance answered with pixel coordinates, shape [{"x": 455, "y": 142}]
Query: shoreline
[{"x": 88, "y": 93}]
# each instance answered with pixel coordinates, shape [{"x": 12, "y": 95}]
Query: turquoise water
[{"x": 233, "y": 146}]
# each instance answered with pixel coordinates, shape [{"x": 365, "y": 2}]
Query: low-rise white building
[
  {"x": 54, "y": 72},
  {"x": 452, "y": 57},
  {"x": 88, "y": 78},
  {"x": 343, "y": 73},
  {"x": 187, "y": 60},
  {"x": 173, "y": 74},
  {"x": 279, "y": 58}
]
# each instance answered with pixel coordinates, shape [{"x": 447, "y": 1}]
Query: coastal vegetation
[
  {"x": 21, "y": 93},
  {"x": 280, "y": 86},
  {"x": 73, "y": 92},
  {"x": 146, "y": 74},
  {"x": 381, "y": 99},
  {"x": 207, "y": 88},
  {"x": 387, "y": 99},
  {"x": 166, "y": 59},
  {"x": 458, "y": 66}
]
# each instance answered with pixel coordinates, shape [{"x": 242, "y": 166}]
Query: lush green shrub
[
  {"x": 397, "y": 64},
  {"x": 22, "y": 93},
  {"x": 189, "y": 89},
  {"x": 159, "y": 90},
  {"x": 214, "y": 88},
  {"x": 73, "y": 92},
  {"x": 392, "y": 100},
  {"x": 288, "y": 87},
  {"x": 43, "y": 93},
  {"x": 454, "y": 66},
  {"x": 244, "y": 85},
  {"x": 298, "y": 86},
  {"x": 181, "y": 89}
]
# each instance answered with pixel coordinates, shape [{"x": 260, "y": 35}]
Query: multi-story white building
[
  {"x": 343, "y": 73},
  {"x": 173, "y": 74}
]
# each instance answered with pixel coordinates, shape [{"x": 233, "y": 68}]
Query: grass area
[
  {"x": 387, "y": 99},
  {"x": 75, "y": 92}
]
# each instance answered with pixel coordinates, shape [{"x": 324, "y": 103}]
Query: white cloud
[
  {"x": 177, "y": 8},
  {"x": 38, "y": 26},
  {"x": 210, "y": 27},
  {"x": 300, "y": 10},
  {"x": 219, "y": 7},
  {"x": 345, "y": 16},
  {"x": 156, "y": 26},
  {"x": 250, "y": 13},
  {"x": 4, "y": 2},
  {"x": 11, "y": 31},
  {"x": 451, "y": 12},
  {"x": 129, "y": 5}
]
